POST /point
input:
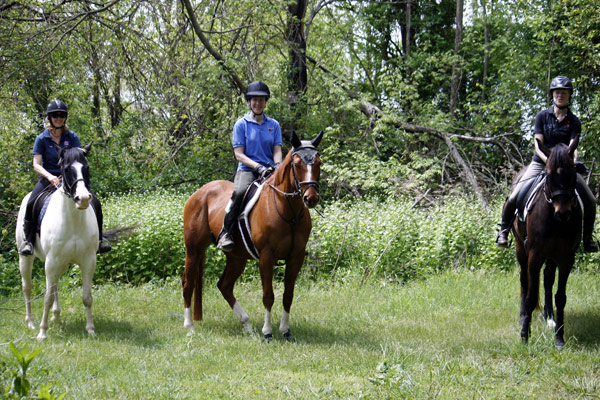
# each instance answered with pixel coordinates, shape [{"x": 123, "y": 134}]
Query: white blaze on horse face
[{"x": 82, "y": 196}]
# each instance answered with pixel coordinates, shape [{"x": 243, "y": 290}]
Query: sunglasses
[{"x": 58, "y": 115}]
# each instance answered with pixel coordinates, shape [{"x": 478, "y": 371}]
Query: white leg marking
[
  {"x": 284, "y": 326},
  {"x": 551, "y": 323},
  {"x": 242, "y": 317},
  {"x": 267, "y": 330},
  {"x": 188, "y": 321}
]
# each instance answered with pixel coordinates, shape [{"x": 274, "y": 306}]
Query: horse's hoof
[
  {"x": 560, "y": 343},
  {"x": 42, "y": 336},
  {"x": 30, "y": 323},
  {"x": 288, "y": 336},
  {"x": 91, "y": 332},
  {"x": 268, "y": 338}
]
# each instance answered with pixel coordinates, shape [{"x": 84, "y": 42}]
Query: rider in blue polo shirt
[
  {"x": 45, "y": 163},
  {"x": 257, "y": 147}
]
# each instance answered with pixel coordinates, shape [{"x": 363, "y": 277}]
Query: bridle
[
  {"x": 551, "y": 195},
  {"x": 309, "y": 154}
]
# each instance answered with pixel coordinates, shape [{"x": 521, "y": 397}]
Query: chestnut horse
[
  {"x": 280, "y": 225},
  {"x": 551, "y": 234}
]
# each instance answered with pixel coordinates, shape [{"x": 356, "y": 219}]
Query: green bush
[{"x": 391, "y": 239}]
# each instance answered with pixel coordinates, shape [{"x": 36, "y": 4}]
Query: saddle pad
[
  {"x": 250, "y": 199},
  {"x": 527, "y": 194},
  {"x": 41, "y": 205}
]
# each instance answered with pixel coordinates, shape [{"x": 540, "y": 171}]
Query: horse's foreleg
[
  {"x": 233, "y": 269},
  {"x": 561, "y": 301},
  {"x": 87, "y": 276},
  {"x": 549, "y": 274},
  {"x": 25, "y": 266},
  {"x": 292, "y": 269}
]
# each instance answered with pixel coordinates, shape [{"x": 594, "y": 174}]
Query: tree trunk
[
  {"x": 297, "y": 74},
  {"x": 486, "y": 51},
  {"x": 456, "y": 68}
]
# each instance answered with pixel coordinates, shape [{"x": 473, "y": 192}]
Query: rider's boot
[
  {"x": 225, "y": 241},
  {"x": 29, "y": 230},
  {"x": 589, "y": 246},
  {"x": 508, "y": 213},
  {"x": 103, "y": 245}
]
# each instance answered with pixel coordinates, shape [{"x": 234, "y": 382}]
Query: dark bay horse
[
  {"x": 280, "y": 224},
  {"x": 551, "y": 234}
]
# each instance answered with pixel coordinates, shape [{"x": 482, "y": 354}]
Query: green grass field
[{"x": 453, "y": 336}]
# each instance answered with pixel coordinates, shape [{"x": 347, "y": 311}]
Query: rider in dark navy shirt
[
  {"x": 45, "y": 163},
  {"x": 552, "y": 126}
]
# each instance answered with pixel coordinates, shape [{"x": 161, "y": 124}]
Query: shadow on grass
[
  {"x": 584, "y": 326},
  {"x": 111, "y": 330},
  {"x": 304, "y": 332}
]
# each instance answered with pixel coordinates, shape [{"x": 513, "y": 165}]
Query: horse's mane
[
  {"x": 71, "y": 154},
  {"x": 280, "y": 174},
  {"x": 559, "y": 158}
]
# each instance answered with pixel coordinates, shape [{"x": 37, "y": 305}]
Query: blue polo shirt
[
  {"x": 555, "y": 132},
  {"x": 258, "y": 140},
  {"x": 44, "y": 145}
]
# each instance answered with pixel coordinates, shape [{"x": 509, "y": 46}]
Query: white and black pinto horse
[{"x": 68, "y": 234}]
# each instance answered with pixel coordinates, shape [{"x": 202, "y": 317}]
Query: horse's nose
[
  {"x": 311, "y": 201},
  {"x": 82, "y": 202},
  {"x": 563, "y": 215}
]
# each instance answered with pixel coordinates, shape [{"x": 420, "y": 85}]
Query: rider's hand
[
  {"x": 263, "y": 171},
  {"x": 55, "y": 180}
]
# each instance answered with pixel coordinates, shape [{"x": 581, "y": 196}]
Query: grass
[{"x": 453, "y": 336}]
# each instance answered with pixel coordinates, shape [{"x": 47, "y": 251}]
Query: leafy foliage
[{"x": 18, "y": 382}]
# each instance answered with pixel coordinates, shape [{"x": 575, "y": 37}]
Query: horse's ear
[
  {"x": 58, "y": 150},
  {"x": 295, "y": 140},
  {"x": 87, "y": 148},
  {"x": 544, "y": 149},
  {"x": 315, "y": 142},
  {"x": 572, "y": 147}
]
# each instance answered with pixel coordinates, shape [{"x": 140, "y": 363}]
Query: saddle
[
  {"x": 250, "y": 198},
  {"x": 527, "y": 194},
  {"x": 41, "y": 205}
]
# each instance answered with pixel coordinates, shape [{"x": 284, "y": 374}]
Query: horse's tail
[{"x": 197, "y": 238}]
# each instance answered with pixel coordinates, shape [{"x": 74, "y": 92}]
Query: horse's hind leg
[
  {"x": 51, "y": 292},
  {"x": 25, "y": 266},
  {"x": 266, "y": 276},
  {"x": 530, "y": 300},
  {"x": 87, "y": 275},
  {"x": 561, "y": 301},
  {"x": 233, "y": 269},
  {"x": 192, "y": 280},
  {"x": 549, "y": 274}
]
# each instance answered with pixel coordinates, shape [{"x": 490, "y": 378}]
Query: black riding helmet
[
  {"x": 257, "y": 89},
  {"x": 561, "y": 82},
  {"x": 56, "y": 106}
]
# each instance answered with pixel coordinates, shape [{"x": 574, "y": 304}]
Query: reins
[{"x": 301, "y": 188}]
